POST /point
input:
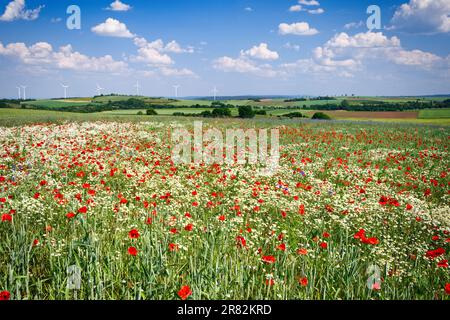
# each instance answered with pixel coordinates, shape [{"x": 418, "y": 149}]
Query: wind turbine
[
  {"x": 24, "y": 92},
  {"x": 18, "y": 89},
  {"x": 215, "y": 92},
  {"x": 65, "y": 90},
  {"x": 176, "y": 90},
  {"x": 99, "y": 89},
  {"x": 137, "y": 87}
]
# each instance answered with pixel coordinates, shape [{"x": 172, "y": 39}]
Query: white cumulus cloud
[
  {"x": 316, "y": 11},
  {"x": 119, "y": 6},
  {"x": 295, "y": 8},
  {"x": 42, "y": 54},
  {"x": 112, "y": 28},
  {"x": 298, "y": 28},
  {"x": 261, "y": 52},
  {"x": 154, "y": 54},
  {"x": 423, "y": 16},
  {"x": 15, "y": 10},
  {"x": 309, "y": 2}
]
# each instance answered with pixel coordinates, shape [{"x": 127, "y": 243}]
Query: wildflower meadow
[{"x": 99, "y": 210}]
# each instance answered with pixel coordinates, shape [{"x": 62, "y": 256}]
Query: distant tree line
[
  {"x": 244, "y": 111},
  {"x": 8, "y": 103},
  {"x": 215, "y": 113},
  {"x": 310, "y": 99},
  {"x": 381, "y": 106}
]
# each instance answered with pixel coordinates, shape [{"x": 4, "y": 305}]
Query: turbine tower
[
  {"x": 137, "y": 87},
  {"x": 65, "y": 90},
  {"x": 215, "y": 93},
  {"x": 24, "y": 92},
  {"x": 99, "y": 90},
  {"x": 18, "y": 90},
  {"x": 176, "y": 90}
]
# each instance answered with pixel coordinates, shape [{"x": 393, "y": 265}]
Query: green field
[
  {"x": 273, "y": 107},
  {"x": 14, "y": 117},
  {"x": 57, "y": 103},
  {"x": 434, "y": 114}
]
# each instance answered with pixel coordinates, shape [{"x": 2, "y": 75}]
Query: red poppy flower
[
  {"x": 134, "y": 234},
  {"x": 5, "y": 295},
  {"x": 447, "y": 288},
  {"x": 302, "y": 251},
  {"x": 270, "y": 282},
  {"x": 324, "y": 245},
  {"x": 241, "y": 241},
  {"x": 6, "y": 217},
  {"x": 443, "y": 264},
  {"x": 372, "y": 241},
  {"x": 268, "y": 259},
  {"x": 148, "y": 221},
  {"x": 301, "y": 209},
  {"x": 35, "y": 242},
  {"x": 82, "y": 210},
  {"x": 326, "y": 235},
  {"x": 222, "y": 218},
  {"x": 70, "y": 215},
  {"x": 409, "y": 207},
  {"x": 394, "y": 203},
  {"x": 132, "y": 251},
  {"x": 383, "y": 200},
  {"x": 173, "y": 247},
  {"x": 189, "y": 227},
  {"x": 303, "y": 281},
  {"x": 282, "y": 247},
  {"x": 431, "y": 254},
  {"x": 360, "y": 234},
  {"x": 184, "y": 292}
]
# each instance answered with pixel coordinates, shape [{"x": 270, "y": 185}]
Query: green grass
[
  {"x": 13, "y": 117},
  {"x": 57, "y": 103},
  {"x": 434, "y": 114}
]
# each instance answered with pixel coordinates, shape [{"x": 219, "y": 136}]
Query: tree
[
  {"x": 321, "y": 116},
  {"x": 222, "y": 112},
  {"x": 345, "y": 104},
  {"x": 246, "y": 112},
  {"x": 294, "y": 115},
  {"x": 206, "y": 114},
  {"x": 151, "y": 112}
]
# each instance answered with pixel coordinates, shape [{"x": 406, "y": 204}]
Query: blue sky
[{"x": 292, "y": 47}]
